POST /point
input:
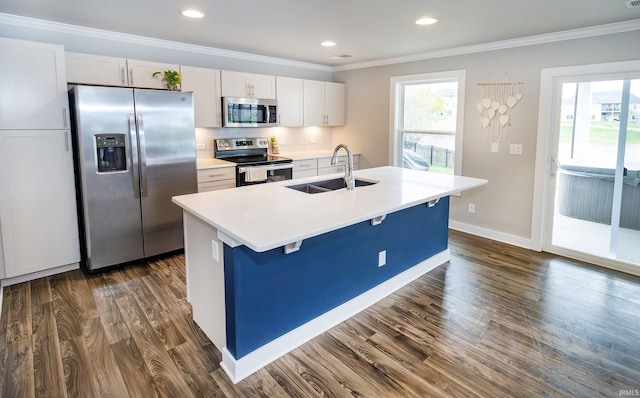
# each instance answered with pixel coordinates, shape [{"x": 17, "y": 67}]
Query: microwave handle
[{"x": 275, "y": 115}]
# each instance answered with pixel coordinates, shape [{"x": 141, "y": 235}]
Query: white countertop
[
  {"x": 267, "y": 216},
  {"x": 212, "y": 163}
]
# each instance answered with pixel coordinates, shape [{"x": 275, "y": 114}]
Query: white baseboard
[
  {"x": 238, "y": 369},
  {"x": 491, "y": 234},
  {"x": 39, "y": 274}
]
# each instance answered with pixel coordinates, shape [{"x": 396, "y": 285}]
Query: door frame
[{"x": 549, "y": 95}]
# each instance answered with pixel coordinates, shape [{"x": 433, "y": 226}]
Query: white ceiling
[{"x": 365, "y": 29}]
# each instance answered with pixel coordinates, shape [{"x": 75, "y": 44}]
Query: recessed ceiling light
[
  {"x": 192, "y": 14},
  {"x": 426, "y": 21},
  {"x": 328, "y": 44}
]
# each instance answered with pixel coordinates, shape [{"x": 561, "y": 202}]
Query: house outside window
[{"x": 427, "y": 121}]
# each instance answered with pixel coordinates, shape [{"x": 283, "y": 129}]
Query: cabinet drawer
[
  {"x": 306, "y": 164},
  {"x": 342, "y": 160},
  {"x": 216, "y": 185},
  {"x": 224, "y": 173},
  {"x": 305, "y": 173}
]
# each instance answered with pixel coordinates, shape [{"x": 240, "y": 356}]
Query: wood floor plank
[
  {"x": 47, "y": 356},
  {"x": 108, "y": 377},
  {"x": 18, "y": 378},
  {"x": 134, "y": 372},
  {"x": 494, "y": 321},
  {"x": 165, "y": 375},
  {"x": 194, "y": 371},
  {"x": 78, "y": 372}
]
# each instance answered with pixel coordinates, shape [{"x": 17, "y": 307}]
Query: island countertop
[{"x": 266, "y": 216}]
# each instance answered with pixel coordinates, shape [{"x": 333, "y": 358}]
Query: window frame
[{"x": 397, "y": 85}]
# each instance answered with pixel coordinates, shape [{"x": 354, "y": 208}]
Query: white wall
[
  {"x": 505, "y": 204},
  {"x": 290, "y": 139}
]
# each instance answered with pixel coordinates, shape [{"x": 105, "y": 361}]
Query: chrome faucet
[{"x": 348, "y": 171}]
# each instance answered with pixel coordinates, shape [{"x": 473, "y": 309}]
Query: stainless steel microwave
[{"x": 249, "y": 112}]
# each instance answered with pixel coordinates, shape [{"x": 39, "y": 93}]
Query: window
[{"x": 427, "y": 121}]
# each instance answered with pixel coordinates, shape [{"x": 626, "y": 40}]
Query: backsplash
[{"x": 290, "y": 139}]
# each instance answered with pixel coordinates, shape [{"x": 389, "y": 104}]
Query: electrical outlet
[
  {"x": 495, "y": 147},
  {"x": 312, "y": 140},
  {"x": 201, "y": 146},
  {"x": 472, "y": 208},
  {"x": 382, "y": 258}
]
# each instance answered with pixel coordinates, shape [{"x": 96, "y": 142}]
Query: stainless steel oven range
[{"x": 253, "y": 163}]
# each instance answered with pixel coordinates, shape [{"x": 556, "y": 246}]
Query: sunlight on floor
[{"x": 593, "y": 238}]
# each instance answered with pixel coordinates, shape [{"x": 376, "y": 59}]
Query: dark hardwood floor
[{"x": 496, "y": 321}]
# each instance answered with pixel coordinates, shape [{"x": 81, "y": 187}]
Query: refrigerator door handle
[
  {"x": 133, "y": 136},
  {"x": 143, "y": 157}
]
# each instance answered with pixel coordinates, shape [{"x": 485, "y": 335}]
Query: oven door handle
[{"x": 267, "y": 167}]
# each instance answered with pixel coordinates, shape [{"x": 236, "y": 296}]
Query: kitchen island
[{"x": 269, "y": 267}]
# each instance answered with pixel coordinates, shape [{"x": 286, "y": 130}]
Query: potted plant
[{"x": 172, "y": 79}]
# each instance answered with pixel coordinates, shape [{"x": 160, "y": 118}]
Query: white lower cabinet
[
  {"x": 216, "y": 178},
  {"x": 305, "y": 168},
  {"x": 37, "y": 201},
  {"x": 325, "y": 167}
]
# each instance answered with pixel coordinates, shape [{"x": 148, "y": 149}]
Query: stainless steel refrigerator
[{"x": 134, "y": 149}]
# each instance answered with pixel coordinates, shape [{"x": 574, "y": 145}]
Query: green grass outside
[
  {"x": 442, "y": 170},
  {"x": 605, "y": 132}
]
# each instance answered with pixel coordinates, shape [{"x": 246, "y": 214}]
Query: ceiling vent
[
  {"x": 632, "y": 3},
  {"x": 345, "y": 56}
]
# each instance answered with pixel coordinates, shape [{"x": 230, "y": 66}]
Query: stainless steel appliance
[
  {"x": 134, "y": 149},
  {"x": 253, "y": 163},
  {"x": 249, "y": 112}
]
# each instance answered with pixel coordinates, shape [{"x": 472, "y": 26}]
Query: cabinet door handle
[
  {"x": 64, "y": 117},
  {"x": 66, "y": 141},
  {"x": 131, "y": 77},
  {"x": 122, "y": 74}
]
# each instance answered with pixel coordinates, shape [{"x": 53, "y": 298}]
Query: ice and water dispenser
[{"x": 111, "y": 153}]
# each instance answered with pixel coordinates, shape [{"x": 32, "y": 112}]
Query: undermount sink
[{"x": 327, "y": 185}]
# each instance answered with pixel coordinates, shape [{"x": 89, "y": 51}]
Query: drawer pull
[{"x": 216, "y": 175}]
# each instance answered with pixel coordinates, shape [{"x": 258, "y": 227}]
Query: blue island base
[{"x": 275, "y": 302}]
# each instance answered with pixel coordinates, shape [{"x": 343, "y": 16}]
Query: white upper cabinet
[
  {"x": 112, "y": 71},
  {"x": 248, "y": 85},
  {"x": 141, "y": 73},
  {"x": 96, "y": 69},
  {"x": 205, "y": 86},
  {"x": 34, "y": 91},
  {"x": 323, "y": 103},
  {"x": 289, "y": 95},
  {"x": 334, "y": 103}
]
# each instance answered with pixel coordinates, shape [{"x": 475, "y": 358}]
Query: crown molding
[
  {"x": 599, "y": 30},
  {"x": 40, "y": 24}
]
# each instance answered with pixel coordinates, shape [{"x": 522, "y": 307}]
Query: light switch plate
[{"x": 515, "y": 149}]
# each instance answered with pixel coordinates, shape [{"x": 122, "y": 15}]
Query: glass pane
[
  {"x": 434, "y": 152},
  {"x": 430, "y": 107},
  {"x": 629, "y": 233},
  {"x": 589, "y": 135},
  {"x": 587, "y": 153}
]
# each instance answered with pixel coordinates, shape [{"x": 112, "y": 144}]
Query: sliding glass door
[{"x": 595, "y": 172}]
